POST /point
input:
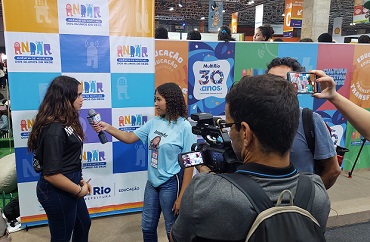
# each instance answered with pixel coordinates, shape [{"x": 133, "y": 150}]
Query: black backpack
[
  {"x": 11, "y": 210},
  {"x": 276, "y": 223},
  {"x": 309, "y": 128}
]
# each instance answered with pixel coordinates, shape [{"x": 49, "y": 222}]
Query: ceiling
[{"x": 193, "y": 10}]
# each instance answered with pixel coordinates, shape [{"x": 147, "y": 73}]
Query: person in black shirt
[{"x": 57, "y": 135}]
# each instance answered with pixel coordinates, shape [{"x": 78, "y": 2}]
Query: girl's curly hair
[{"x": 175, "y": 101}]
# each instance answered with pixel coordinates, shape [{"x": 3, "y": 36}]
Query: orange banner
[
  {"x": 171, "y": 63},
  {"x": 297, "y": 14},
  {"x": 287, "y": 30},
  {"x": 360, "y": 87},
  {"x": 234, "y": 22}
]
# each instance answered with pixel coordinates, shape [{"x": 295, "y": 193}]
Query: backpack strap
[
  {"x": 305, "y": 193},
  {"x": 309, "y": 129},
  {"x": 260, "y": 201}
]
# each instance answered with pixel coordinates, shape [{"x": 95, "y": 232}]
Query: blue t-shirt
[
  {"x": 300, "y": 154},
  {"x": 165, "y": 141}
]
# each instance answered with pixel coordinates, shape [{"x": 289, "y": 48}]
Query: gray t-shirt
[
  {"x": 213, "y": 208},
  {"x": 301, "y": 156}
]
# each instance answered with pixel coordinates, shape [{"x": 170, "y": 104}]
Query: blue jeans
[
  {"x": 157, "y": 200},
  {"x": 65, "y": 212}
]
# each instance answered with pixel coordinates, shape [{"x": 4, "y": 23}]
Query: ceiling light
[
  {"x": 171, "y": 9},
  {"x": 202, "y": 18},
  {"x": 223, "y": 10},
  {"x": 250, "y": 2},
  {"x": 180, "y": 4}
]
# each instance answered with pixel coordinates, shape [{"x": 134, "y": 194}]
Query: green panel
[
  {"x": 253, "y": 57},
  {"x": 353, "y": 143}
]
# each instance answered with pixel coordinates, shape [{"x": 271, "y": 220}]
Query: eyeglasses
[{"x": 228, "y": 125}]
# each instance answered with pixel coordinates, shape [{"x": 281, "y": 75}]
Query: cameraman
[{"x": 263, "y": 113}]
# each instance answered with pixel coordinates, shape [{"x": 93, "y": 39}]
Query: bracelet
[{"x": 76, "y": 195}]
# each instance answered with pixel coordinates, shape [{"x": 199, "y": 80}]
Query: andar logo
[
  {"x": 32, "y": 52},
  {"x": 132, "y": 55},
  {"x": 93, "y": 90},
  {"x": 26, "y": 127},
  {"x": 131, "y": 122},
  {"x": 83, "y": 14}
]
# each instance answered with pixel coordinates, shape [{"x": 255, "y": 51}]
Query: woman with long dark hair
[
  {"x": 56, "y": 140},
  {"x": 224, "y": 33},
  {"x": 167, "y": 135},
  {"x": 263, "y": 33}
]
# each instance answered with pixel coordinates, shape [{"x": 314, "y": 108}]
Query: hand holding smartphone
[
  {"x": 190, "y": 159},
  {"x": 304, "y": 82}
]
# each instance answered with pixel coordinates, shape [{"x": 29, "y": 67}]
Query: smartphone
[
  {"x": 190, "y": 159},
  {"x": 304, "y": 82}
]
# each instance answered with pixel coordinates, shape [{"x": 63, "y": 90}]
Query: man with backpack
[
  {"x": 313, "y": 150},
  {"x": 262, "y": 113}
]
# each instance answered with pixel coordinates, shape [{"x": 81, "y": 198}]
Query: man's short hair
[
  {"x": 325, "y": 37},
  {"x": 269, "y": 105},
  {"x": 364, "y": 39},
  {"x": 306, "y": 40},
  {"x": 194, "y": 35},
  {"x": 161, "y": 33},
  {"x": 286, "y": 61}
]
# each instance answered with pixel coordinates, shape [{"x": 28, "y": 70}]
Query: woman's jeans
[
  {"x": 65, "y": 212},
  {"x": 157, "y": 200}
]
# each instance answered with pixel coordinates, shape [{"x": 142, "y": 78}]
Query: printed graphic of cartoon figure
[
  {"x": 97, "y": 12},
  {"x": 17, "y": 48},
  {"x": 83, "y": 11},
  {"x": 93, "y": 86},
  {"x": 216, "y": 16},
  {"x": 101, "y": 155},
  {"x": 39, "y": 47},
  {"x": 95, "y": 155},
  {"x": 69, "y": 10},
  {"x": 92, "y": 54},
  {"x": 99, "y": 86},
  {"x": 33, "y": 48},
  {"x": 138, "y": 54},
  {"x": 144, "y": 52},
  {"x": 154, "y": 146},
  {"x": 89, "y": 10},
  {"x": 89, "y": 156},
  {"x": 24, "y": 125},
  {"x": 122, "y": 88},
  {"x": 121, "y": 121},
  {"x": 41, "y": 7},
  {"x": 132, "y": 51},
  {"x": 119, "y": 51},
  {"x": 47, "y": 49},
  {"x": 140, "y": 155},
  {"x": 86, "y": 87}
]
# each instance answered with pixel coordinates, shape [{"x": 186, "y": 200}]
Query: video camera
[{"x": 216, "y": 152}]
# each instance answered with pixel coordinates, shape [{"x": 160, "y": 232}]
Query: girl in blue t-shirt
[{"x": 166, "y": 135}]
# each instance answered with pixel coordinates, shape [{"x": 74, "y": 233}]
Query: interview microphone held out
[{"x": 95, "y": 118}]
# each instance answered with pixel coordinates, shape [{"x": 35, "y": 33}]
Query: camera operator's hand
[
  {"x": 203, "y": 169},
  {"x": 176, "y": 206}
]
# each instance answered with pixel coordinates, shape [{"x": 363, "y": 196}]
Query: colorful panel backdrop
[
  {"x": 109, "y": 47},
  {"x": 116, "y": 66}
]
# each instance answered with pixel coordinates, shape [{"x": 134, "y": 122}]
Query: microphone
[{"x": 95, "y": 118}]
